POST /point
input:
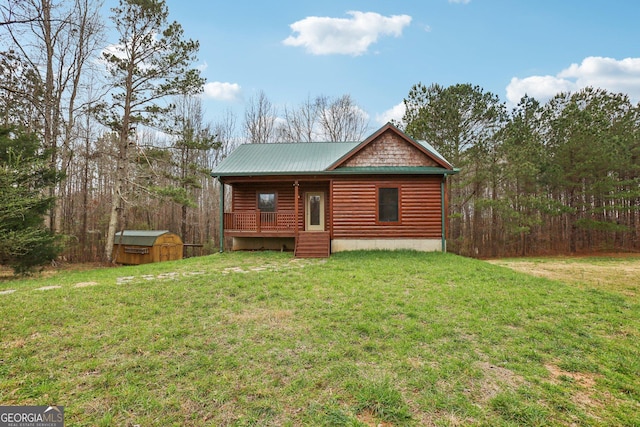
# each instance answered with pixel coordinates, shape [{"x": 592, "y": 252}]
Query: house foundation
[
  {"x": 422, "y": 245},
  {"x": 263, "y": 243}
]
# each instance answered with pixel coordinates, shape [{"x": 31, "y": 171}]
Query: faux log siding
[
  {"x": 244, "y": 197},
  {"x": 354, "y": 209},
  {"x": 354, "y": 205}
]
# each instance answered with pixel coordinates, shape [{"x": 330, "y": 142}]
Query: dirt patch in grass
[
  {"x": 586, "y": 396},
  {"x": 587, "y": 380},
  {"x": 495, "y": 380},
  {"x": 618, "y": 274},
  {"x": 367, "y": 418},
  {"x": 438, "y": 418}
]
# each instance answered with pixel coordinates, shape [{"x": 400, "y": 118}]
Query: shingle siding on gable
[{"x": 389, "y": 150}]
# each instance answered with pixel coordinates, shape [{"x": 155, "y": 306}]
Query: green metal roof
[
  {"x": 311, "y": 158},
  {"x": 307, "y": 159},
  {"x": 292, "y": 158},
  {"x": 430, "y": 148},
  {"x": 138, "y": 237}
]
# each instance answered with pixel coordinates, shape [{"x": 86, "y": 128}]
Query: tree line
[
  {"x": 122, "y": 141},
  {"x": 559, "y": 177},
  {"x": 120, "y": 129}
]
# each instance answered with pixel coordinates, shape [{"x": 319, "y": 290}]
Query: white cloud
[
  {"x": 222, "y": 91},
  {"x": 394, "y": 113},
  {"x": 117, "y": 50},
  {"x": 541, "y": 88},
  {"x": 607, "y": 73},
  {"x": 359, "y": 111},
  {"x": 604, "y": 73},
  {"x": 460, "y": 1},
  {"x": 352, "y": 36}
]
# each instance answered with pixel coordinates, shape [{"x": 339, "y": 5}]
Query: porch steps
[{"x": 313, "y": 244}]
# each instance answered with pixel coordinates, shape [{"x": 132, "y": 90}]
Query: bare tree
[
  {"x": 54, "y": 41},
  {"x": 341, "y": 119},
  {"x": 300, "y": 124},
  {"x": 259, "y": 120},
  {"x": 209, "y": 207},
  {"x": 225, "y": 131},
  {"x": 19, "y": 89}
]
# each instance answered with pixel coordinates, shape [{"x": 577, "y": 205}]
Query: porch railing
[{"x": 257, "y": 221}]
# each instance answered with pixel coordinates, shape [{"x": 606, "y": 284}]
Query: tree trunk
[
  {"x": 183, "y": 222},
  {"x": 117, "y": 198},
  {"x": 113, "y": 216}
]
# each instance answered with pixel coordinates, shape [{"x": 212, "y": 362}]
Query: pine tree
[
  {"x": 151, "y": 62},
  {"x": 24, "y": 172}
]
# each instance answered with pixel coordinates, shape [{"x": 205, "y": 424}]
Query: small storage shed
[{"x": 145, "y": 246}]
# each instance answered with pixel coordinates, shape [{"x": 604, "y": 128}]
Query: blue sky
[{"x": 375, "y": 50}]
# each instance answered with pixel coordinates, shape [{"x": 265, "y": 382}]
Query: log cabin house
[{"x": 386, "y": 192}]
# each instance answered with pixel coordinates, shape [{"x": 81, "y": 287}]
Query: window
[
  {"x": 315, "y": 203},
  {"x": 388, "y": 204},
  {"x": 267, "y": 202},
  {"x": 135, "y": 250}
]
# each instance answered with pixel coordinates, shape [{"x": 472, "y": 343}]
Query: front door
[{"x": 314, "y": 211}]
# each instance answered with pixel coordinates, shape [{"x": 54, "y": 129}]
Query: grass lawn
[{"x": 363, "y": 338}]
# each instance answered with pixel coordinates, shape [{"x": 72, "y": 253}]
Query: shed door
[
  {"x": 314, "y": 211},
  {"x": 165, "y": 253}
]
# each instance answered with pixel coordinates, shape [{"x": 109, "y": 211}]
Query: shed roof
[
  {"x": 138, "y": 237},
  {"x": 309, "y": 158}
]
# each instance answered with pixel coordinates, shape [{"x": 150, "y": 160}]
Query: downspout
[
  {"x": 221, "y": 214},
  {"x": 442, "y": 213}
]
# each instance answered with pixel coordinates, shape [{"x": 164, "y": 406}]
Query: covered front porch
[{"x": 278, "y": 215}]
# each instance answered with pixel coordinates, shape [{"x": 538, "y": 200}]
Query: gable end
[{"x": 389, "y": 149}]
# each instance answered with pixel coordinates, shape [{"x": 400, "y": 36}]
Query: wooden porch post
[
  {"x": 221, "y": 214},
  {"x": 443, "y": 215},
  {"x": 295, "y": 197}
]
